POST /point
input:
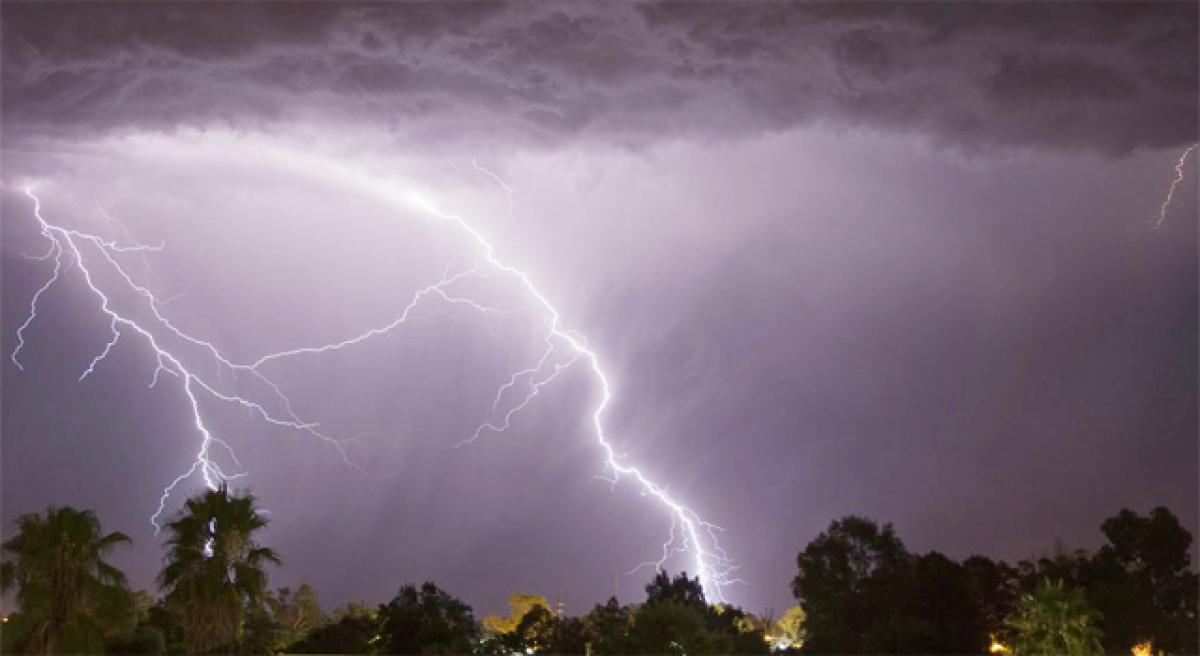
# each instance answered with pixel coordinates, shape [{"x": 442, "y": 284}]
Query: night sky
[{"x": 892, "y": 259}]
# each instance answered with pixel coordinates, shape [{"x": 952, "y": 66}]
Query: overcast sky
[{"x": 890, "y": 259}]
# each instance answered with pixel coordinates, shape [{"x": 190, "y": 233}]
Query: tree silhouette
[
  {"x": 69, "y": 598},
  {"x": 608, "y": 625},
  {"x": 847, "y": 576},
  {"x": 354, "y": 629},
  {"x": 680, "y": 589},
  {"x": 426, "y": 621},
  {"x": 670, "y": 627},
  {"x": 214, "y": 566},
  {"x": 1142, "y": 583}
]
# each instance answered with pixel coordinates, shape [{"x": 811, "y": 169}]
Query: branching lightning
[
  {"x": 175, "y": 352},
  {"x": 1166, "y": 204}
]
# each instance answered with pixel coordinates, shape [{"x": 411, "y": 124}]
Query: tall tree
[
  {"x": 1055, "y": 619},
  {"x": 1142, "y": 582},
  {"x": 844, "y": 575},
  {"x": 215, "y": 567},
  {"x": 537, "y": 631},
  {"x": 929, "y": 610},
  {"x": 608, "y": 625},
  {"x": 993, "y": 587},
  {"x": 69, "y": 598},
  {"x": 426, "y": 621}
]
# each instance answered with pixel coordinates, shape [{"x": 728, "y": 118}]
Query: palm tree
[
  {"x": 69, "y": 598},
  {"x": 1055, "y": 619},
  {"x": 214, "y": 566}
]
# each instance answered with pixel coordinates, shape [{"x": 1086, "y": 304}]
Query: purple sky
[{"x": 887, "y": 259}]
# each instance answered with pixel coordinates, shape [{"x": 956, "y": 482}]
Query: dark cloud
[{"x": 1102, "y": 76}]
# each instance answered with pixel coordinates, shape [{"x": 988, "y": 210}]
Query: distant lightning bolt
[
  {"x": 508, "y": 189},
  {"x": 688, "y": 532},
  {"x": 1166, "y": 204}
]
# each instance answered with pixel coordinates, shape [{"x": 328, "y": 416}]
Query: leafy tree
[
  {"x": 676, "y": 619},
  {"x": 788, "y": 630},
  {"x": 426, "y": 621},
  {"x": 1060, "y": 565},
  {"x": 260, "y": 635},
  {"x": 519, "y": 604},
  {"x": 681, "y": 589},
  {"x": 861, "y": 591},
  {"x": 671, "y": 627},
  {"x": 299, "y": 610},
  {"x": 570, "y": 636},
  {"x": 1142, "y": 583},
  {"x": 147, "y": 636},
  {"x": 536, "y": 631},
  {"x": 143, "y": 601},
  {"x": 542, "y": 631},
  {"x": 168, "y": 621},
  {"x": 608, "y": 626},
  {"x": 294, "y": 613},
  {"x": 929, "y": 611},
  {"x": 993, "y": 587},
  {"x": 70, "y": 600},
  {"x": 353, "y": 633},
  {"x": 845, "y": 574},
  {"x": 145, "y": 639},
  {"x": 352, "y": 609},
  {"x": 1055, "y": 619},
  {"x": 739, "y": 630},
  {"x": 215, "y": 567}
]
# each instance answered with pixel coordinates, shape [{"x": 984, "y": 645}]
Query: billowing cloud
[{"x": 1104, "y": 76}]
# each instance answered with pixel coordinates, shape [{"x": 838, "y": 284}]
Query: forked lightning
[{"x": 70, "y": 249}]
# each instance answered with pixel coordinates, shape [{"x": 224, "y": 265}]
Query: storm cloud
[{"x": 1098, "y": 76}]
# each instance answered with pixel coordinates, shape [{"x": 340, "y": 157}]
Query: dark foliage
[
  {"x": 426, "y": 621},
  {"x": 862, "y": 592},
  {"x": 681, "y": 590},
  {"x": 850, "y": 578},
  {"x": 350, "y": 635}
]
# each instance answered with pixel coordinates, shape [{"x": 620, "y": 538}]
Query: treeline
[
  {"x": 863, "y": 592},
  {"x": 859, "y": 591}
]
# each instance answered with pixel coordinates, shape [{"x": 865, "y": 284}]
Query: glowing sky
[{"x": 885, "y": 259}]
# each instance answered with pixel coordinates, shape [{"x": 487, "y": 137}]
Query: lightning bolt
[
  {"x": 1158, "y": 219},
  {"x": 712, "y": 564},
  {"x": 67, "y": 247},
  {"x": 564, "y": 348}
]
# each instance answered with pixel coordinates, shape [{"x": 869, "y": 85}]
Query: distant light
[
  {"x": 998, "y": 647},
  {"x": 1143, "y": 648}
]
